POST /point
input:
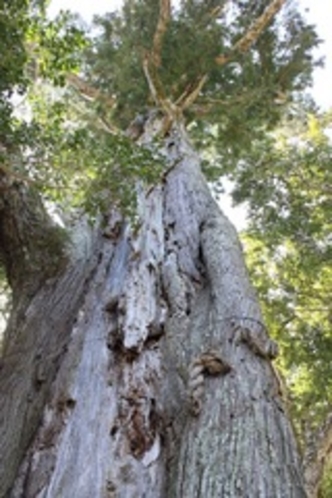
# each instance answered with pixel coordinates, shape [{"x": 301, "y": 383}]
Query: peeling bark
[
  {"x": 118, "y": 419},
  {"x": 36, "y": 340}
]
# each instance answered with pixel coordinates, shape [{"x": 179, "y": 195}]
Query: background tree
[
  {"x": 289, "y": 249},
  {"x": 115, "y": 327}
]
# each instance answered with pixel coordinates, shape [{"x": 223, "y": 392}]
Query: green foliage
[
  {"x": 52, "y": 138},
  {"x": 286, "y": 184},
  {"x": 239, "y": 98},
  {"x": 54, "y": 47},
  {"x": 32, "y": 48},
  {"x": 82, "y": 165},
  {"x": 13, "y": 26},
  {"x": 64, "y": 147}
]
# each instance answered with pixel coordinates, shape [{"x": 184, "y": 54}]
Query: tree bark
[
  {"x": 162, "y": 383},
  {"x": 317, "y": 456}
]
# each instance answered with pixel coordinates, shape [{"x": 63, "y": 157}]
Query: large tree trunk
[{"x": 152, "y": 375}]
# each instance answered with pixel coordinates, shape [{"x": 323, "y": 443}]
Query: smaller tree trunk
[
  {"x": 317, "y": 455},
  {"x": 48, "y": 283}
]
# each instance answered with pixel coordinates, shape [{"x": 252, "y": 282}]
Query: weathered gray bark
[
  {"x": 36, "y": 340},
  {"x": 317, "y": 456},
  {"x": 132, "y": 411}
]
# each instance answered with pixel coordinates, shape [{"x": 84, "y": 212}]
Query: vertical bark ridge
[
  {"x": 36, "y": 339},
  {"x": 242, "y": 465}
]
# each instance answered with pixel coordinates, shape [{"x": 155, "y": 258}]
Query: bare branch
[
  {"x": 256, "y": 29},
  {"x": 89, "y": 91},
  {"x": 164, "y": 17},
  {"x": 157, "y": 91},
  {"x": 209, "y": 103},
  {"x": 149, "y": 79},
  {"x": 189, "y": 97},
  {"x": 152, "y": 60},
  {"x": 108, "y": 127},
  {"x": 217, "y": 11}
]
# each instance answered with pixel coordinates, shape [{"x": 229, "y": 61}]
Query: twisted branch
[
  {"x": 88, "y": 91},
  {"x": 152, "y": 60},
  {"x": 250, "y": 37},
  {"x": 189, "y": 96},
  {"x": 163, "y": 20}
]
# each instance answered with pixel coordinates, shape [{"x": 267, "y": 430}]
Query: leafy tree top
[
  {"x": 226, "y": 67},
  {"x": 228, "y": 63}
]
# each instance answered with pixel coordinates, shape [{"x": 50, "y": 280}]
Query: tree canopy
[{"x": 227, "y": 68}]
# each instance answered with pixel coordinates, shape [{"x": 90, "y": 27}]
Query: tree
[
  {"x": 289, "y": 248},
  {"x": 135, "y": 358}
]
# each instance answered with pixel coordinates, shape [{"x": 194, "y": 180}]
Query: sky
[{"x": 318, "y": 12}]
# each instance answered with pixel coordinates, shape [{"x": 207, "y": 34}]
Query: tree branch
[
  {"x": 152, "y": 60},
  {"x": 250, "y": 37},
  {"x": 189, "y": 96},
  {"x": 32, "y": 247},
  {"x": 191, "y": 92},
  {"x": 88, "y": 91},
  {"x": 163, "y": 20},
  {"x": 151, "y": 84},
  {"x": 156, "y": 89}
]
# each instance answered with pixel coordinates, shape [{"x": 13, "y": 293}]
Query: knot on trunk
[{"x": 208, "y": 363}]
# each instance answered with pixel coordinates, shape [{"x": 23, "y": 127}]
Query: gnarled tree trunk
[{"x": 145, "y": 367}]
